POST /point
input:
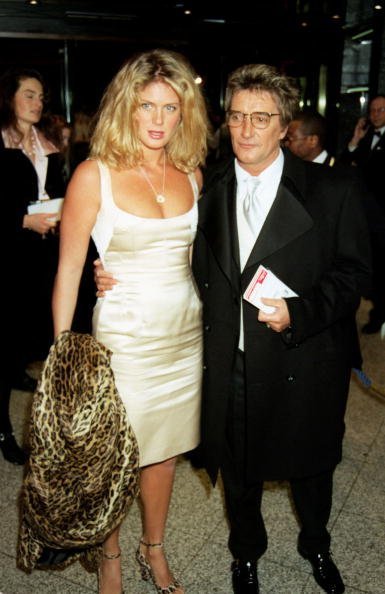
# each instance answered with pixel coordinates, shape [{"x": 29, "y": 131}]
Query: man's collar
[
  {"x": 321, "y": 158},
  {"x": 274, "y": 169}
]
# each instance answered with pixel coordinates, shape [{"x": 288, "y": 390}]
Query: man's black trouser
[{"x": 312, "y": 496}]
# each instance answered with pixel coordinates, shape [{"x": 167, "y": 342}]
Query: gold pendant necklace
[{"x": 160, "y": 198}]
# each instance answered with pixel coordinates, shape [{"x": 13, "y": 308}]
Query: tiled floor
[{"x": 197, "y": 530}]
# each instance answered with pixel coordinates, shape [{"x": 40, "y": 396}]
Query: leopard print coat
[{"x": 84, "y": 461}]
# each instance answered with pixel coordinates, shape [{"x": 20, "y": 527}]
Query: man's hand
[
  {"x": 279, "y": 320},
  {"x": 359, "y": 132},
  {"x": 103, "y": 279}
]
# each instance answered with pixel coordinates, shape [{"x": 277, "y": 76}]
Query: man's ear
[{"x": 283, "y": 132}]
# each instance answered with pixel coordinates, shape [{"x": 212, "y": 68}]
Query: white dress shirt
[
  {"x": 376, "y": 138},
  {"x": 321, "y": 158},
  {"x": 267, "y": 190}
]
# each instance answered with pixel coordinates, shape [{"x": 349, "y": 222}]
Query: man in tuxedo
[
  {"x": 275, "y": 384},
  {"x": 366, "y": 150},
  {"x": 306, "y": 138}
]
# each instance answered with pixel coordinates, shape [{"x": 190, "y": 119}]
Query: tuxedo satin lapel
[
  {"x": 216, "y": 214},
  {"x": 286, "y": 220}
]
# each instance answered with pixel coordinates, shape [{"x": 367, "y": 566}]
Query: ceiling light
[
  {"x": 357, "y": 90},
  {"x": 362, "y": 34},
  {"x": 219, "y": 21}
]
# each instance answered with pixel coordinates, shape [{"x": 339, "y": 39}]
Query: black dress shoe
[
  {"x": 245, "y": 578},
  {"x": 325, "y": 572},
  {"x": 11, "y": 451},
  {"x": 25, "y": 383}
]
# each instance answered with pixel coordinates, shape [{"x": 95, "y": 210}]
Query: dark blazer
[
  {"x": 315, "y": 239},
  {"x": 29, "y": 262},
  {"x": 371, "y": 162}
]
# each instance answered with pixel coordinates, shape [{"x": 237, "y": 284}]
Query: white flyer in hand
[{"x": 265, "y": 284}]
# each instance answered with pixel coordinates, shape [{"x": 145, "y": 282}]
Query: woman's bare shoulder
[
  {"x": 87, "y": 172},
  {"x": 85, "y": 181}
]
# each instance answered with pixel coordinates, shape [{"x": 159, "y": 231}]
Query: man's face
[
  {"x": 256, "y": 149},
  {"x": 299, "y": 143},
  {"x": 377, "y": 112}
]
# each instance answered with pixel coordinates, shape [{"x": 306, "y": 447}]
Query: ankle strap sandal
[{"x": 147, "y": 573}]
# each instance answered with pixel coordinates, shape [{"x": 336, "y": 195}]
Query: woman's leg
[
  {"x": 156, "y": 482},
  {"x": 110, "y": 574}
]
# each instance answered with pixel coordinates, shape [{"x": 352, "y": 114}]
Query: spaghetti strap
[
  {"x": 194, "y": 185},
  {"x": 105, "y": 186},
  {"x": 103, "y": 228}
]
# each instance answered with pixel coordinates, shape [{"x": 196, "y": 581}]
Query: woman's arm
[{"x": 80, "y": 209}]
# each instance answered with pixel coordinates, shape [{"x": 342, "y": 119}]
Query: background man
[
  {"x": 306, "y": 138},
  {"x": 275, "y": 385},
  {"x": 366, "y": 150}
]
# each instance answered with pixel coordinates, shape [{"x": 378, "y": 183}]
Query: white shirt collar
[
  {"x": 272, "y": 173},
  {"x": 321, "y": 158}
]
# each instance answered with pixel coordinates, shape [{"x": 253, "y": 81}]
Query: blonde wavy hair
[{"x": 115, "y": 139}]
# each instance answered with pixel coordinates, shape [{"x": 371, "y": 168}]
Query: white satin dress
[{"x": 151, "y": 321}]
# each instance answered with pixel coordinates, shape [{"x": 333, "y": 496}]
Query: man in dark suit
[
  {"x": 275, "y": 384},
  {"x": 366, "y": 150},
  {"x": 306, "y": 138}
]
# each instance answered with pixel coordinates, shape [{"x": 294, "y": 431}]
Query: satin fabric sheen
[{"x": 151, "y": 321}]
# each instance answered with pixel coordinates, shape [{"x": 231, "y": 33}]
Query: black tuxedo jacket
[
  {"x": 372, "y": 164},
  {"x": 315, "y": 240}
]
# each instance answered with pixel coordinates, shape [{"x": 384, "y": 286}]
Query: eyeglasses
[
  {"x": 259, "y": 119},
  {"x": 377, "y": 110}
]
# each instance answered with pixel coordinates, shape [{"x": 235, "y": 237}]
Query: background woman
[
  {"x": 137, "y": 197},
  {"x": 29, "y": 171}
]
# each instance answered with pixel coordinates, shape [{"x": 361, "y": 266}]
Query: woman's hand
[
  {"x": 103, "y": 279},
  {"x": 40, "y": 222}
]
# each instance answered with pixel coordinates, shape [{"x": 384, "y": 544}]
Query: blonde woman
[{"x": 137, "y": 197}]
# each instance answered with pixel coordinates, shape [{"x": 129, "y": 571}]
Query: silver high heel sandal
[
  {"x": 147, "y": 573},
  {"x": 110, "y": 557}
]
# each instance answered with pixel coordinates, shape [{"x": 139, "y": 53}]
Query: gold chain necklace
[{"x": 160, "y": 198}]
